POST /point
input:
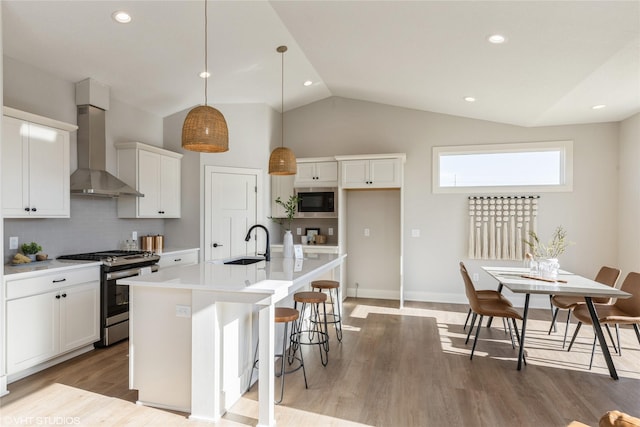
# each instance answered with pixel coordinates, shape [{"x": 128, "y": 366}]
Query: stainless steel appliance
[
  {"x": 114, "y": 298},
  {"x": 317, "y": 202}
]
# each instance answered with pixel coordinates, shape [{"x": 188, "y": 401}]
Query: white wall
[
  {"x": 344, "y": 126},
  {"x": 36, "y": 91},
  {"x": 252, "y": 129},
  {"x": 629, "y": 196},
  {"x": 374, "y": 261}
]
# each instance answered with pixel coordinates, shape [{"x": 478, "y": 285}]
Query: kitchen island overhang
[{"x": 180, "y": 300}]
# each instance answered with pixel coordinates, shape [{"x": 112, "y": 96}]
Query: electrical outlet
[
  {"x": 330, "y": 231},
  {"x": 476, "y": 277},
  {"x": 415, "y": 232},
  {"x": 134, "y": 235},
  {"x": 183, "y": 311},
  {"x": 367, "y": 232},
  {"x": 299, "y": 231},
  {"x": 13, "y": 242}
]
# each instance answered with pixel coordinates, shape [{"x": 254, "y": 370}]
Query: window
[{"x": 534, "y": 166}]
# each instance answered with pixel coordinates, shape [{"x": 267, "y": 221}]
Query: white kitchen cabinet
[
  {"x": 154, "y": 172},
  {"x": 281, "y": 186},
  {"x": 35, "y": 166},
  {"x": 179, "y": 257},
  {"x": 51, "y": 314},
  {"x": 316, "y": 173},
  {"x": 372, "y": 173}
]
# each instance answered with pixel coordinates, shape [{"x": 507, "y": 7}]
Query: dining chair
[
  {"x": 488, "y": 295},
  {"x": 493, "y": 308},
  {"x": 625, "y": 311},
  {"x": 607, "y": 276}
]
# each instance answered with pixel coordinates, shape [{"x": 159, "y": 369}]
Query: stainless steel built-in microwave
[{"x": 317, "y": 202}]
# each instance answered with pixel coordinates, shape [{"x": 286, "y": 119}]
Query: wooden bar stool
[
  {"x": 284, "y": 315},
  {"x": 308, "y": 330},
  {"x": 331, "y": 286}
]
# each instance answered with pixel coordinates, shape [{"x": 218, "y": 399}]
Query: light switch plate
[
  {"x": 183, "y": 311},
  {"x": 298, "y": 231},
  {"x": 13, "y": 242},
  {"x": 367, "y": 232},
  {"x": 134, "y": 235},
  {"x": 330, "y": 231},
  {"x": 415, "y": 232}
]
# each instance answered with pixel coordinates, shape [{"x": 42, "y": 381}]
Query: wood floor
[{"x": 395, "y": 367}]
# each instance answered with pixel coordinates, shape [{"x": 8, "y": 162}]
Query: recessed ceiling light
[
  {"x": 121, "y": 16},
  {"x": 205, "y": 74},
  {"x": 598, "y": 107},
  {"x": 308, "y": 83},
  {"x": 469, "y": 99},
  {"x": 497, "y": 39}
]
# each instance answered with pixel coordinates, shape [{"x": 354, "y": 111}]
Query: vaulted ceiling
[{"x": 559, "y": 60}]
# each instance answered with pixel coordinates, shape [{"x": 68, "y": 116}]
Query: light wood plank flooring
[{"x": 395, "y": 367}]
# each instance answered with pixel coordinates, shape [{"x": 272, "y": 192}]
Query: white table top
[
  {"x": 576, "y": 285},
  {"x": 263, "y": 277}
]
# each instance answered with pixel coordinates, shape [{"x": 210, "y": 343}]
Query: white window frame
[{"x": 566, "y": 166}]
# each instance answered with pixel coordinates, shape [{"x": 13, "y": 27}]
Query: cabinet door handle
[
  {"x": 27, "y": 209},
  {"x": 57, "y": 296},
  {"x": 33, "y": 209},
  {"x": 178, "y": 259},
  {"x": 64, "y": 295},
  {"x": 215, "y": 245},
  {"x": 59, "y": 280}
]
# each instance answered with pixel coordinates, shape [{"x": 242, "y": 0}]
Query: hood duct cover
[{"x": 91, "y": 177}]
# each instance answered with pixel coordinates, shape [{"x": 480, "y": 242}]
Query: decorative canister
[
  {"x": 147, "y": 243},
  {"x": 158, "y": 243}
]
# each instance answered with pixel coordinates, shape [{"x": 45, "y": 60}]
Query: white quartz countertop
[
  {"x": 262, "y": 277},
  {"x": 33, "y": 269}
]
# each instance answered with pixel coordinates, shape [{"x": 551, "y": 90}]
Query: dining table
[{"x": 520, "y": 281}]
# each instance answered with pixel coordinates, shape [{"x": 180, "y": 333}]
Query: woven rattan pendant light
[
  {"x": 282, "y": 160},
  {"x": 205, "y": 129}
]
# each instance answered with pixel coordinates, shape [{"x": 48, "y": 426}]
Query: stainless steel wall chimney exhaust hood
[{"x": 91, "y": 177}]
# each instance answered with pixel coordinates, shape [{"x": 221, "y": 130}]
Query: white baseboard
[
  {"x": 373, "y": 293},
  {"x": 536, "y": 301},
  {"x": 3, "y": 385}
]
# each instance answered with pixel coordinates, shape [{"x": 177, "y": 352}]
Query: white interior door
[{"x": 231, "y": 200}]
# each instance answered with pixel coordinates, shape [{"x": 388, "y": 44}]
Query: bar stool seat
[
  {"x": 332, "y": 286},
  {"x": 309, "y": 330},
  {"x": 284, "y": 315}
]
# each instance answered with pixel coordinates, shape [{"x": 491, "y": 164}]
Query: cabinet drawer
[
  {"x": 184, "y": 258},
  {"x": 48, "y": 282}
]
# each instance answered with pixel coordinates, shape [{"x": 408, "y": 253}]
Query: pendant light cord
[
  {"x": 282, "y": 100},
  {"x": 206, "y": 67}
]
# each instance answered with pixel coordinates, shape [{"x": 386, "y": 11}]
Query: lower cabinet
[{"x": 45, "y": 320}]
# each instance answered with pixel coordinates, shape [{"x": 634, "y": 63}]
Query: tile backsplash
[{"x": 93, "y": 226}]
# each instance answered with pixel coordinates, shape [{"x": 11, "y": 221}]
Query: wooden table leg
[{"x": 603, "y": 344}]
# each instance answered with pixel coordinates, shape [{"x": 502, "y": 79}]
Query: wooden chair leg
[{"x": 575, "y": 334}]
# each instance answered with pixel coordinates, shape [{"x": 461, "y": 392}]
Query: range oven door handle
[{"x": 114, "y": 275}]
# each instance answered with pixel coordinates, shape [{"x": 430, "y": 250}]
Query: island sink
[{"x": 244, "y": 261}]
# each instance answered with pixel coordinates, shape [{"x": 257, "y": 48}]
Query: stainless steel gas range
[{"x": 114, "y": 298}]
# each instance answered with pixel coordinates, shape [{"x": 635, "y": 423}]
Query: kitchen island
[{"x": 176, "y": 334}]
